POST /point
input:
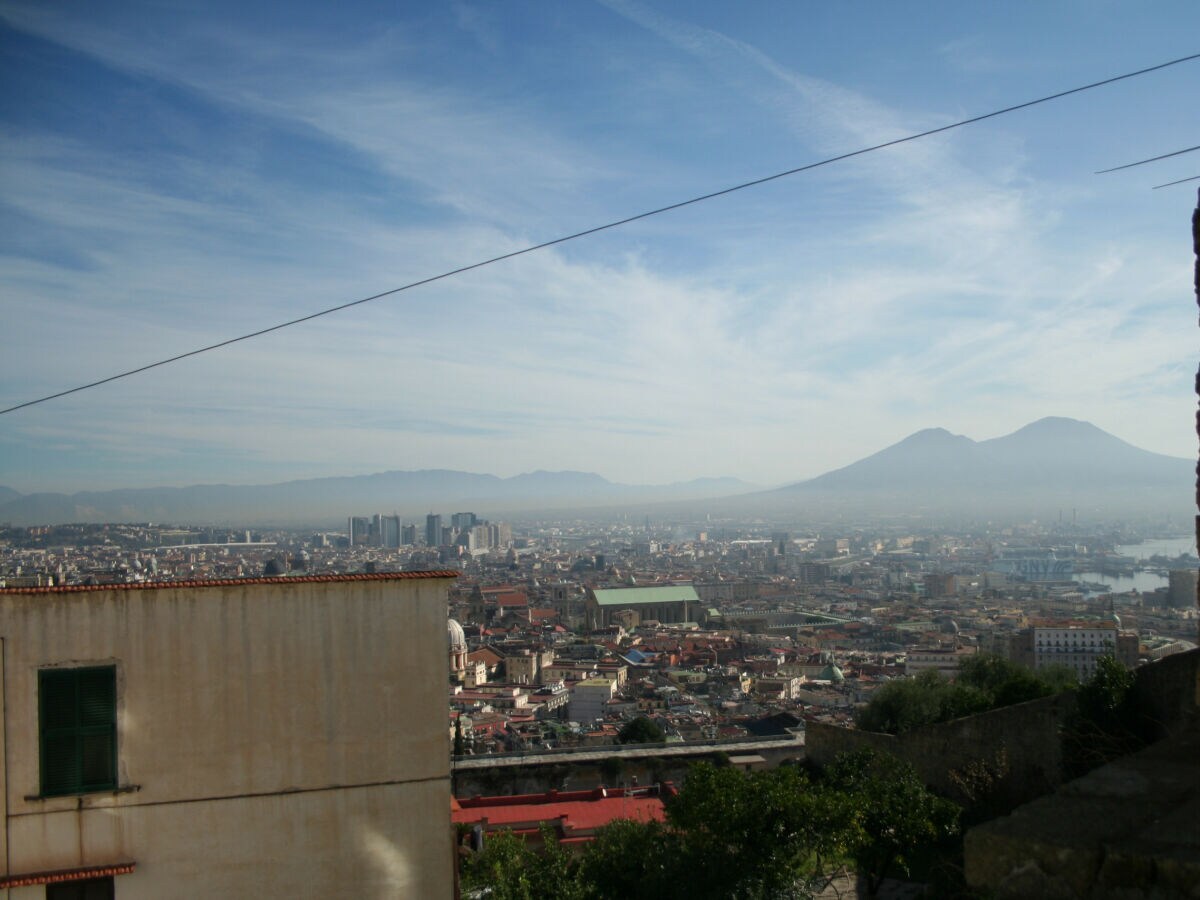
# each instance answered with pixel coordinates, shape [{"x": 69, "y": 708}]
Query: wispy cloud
[{"x": 770, "y": 335}]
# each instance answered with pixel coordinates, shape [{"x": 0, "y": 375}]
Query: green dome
[{"x": 831, "y": 673}]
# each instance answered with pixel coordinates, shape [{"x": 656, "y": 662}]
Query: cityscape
[{"x": 721, "y": 639}]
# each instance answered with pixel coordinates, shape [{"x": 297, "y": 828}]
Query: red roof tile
[
  {"x": 232, "y": 582},
  {"x": 575, "y": 810}
]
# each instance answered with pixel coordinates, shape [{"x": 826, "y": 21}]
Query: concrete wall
[
  {"x": 1168, "y": 692},
  {"x": 515, "y": 776},
  {"x": 277, "y": 738},
  {"x": 569, "y": 776},
  {"x": 994, "y": 761},
  {"x": 1005, "y": 756}
]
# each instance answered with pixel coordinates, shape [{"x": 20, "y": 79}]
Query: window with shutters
[
  {"x": 77, "y": 719},
  {"x": 91, "y": 889}
]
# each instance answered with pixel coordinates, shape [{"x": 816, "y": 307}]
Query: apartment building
[{"x": 275, "y": 737}]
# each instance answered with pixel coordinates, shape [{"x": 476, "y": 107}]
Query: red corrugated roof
[
  {"x": 233, "y": 582},
  {"x": 571, "y": 810}
]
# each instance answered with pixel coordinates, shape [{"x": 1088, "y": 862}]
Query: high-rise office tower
[
  {"x": 463, "y": 520},
  {"x": 389, "y": 531},
  {"x": 360, "y": 529},
  {"x": 433, "y": 530}
]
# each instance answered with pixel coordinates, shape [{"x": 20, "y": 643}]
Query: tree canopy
[
  {"x": 507, "y": 869},
  {"x": 641, "y": 731},
  {"x": 888, "y": 814},
  {"x": 985, "y": 681},
  {"x": 1110, "y": 722},
  {"x": 773, "y": 834}
]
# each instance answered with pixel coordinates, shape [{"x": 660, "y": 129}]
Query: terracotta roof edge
[{"x": 234, "y": 582}]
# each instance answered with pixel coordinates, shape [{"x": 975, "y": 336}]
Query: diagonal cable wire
[
  {"x": 1142, "y": 162},
  {"x": 1180, "y": 181},
  {"x": 607, "y": 226}
]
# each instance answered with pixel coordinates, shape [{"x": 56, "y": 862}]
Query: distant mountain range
[
  {"x": 1051, "y": 466},
  {"x": 328, "y": 501}
]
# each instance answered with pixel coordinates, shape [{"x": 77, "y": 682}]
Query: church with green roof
[{"x": 669, "y": 604}]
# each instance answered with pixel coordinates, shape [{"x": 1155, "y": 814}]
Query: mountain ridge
[
  {"x": 332, "y": 499},
  {"x": 1046, "y": 465}
]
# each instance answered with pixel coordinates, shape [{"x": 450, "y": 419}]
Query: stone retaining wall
[
  {"x": 1168, "y": 692},
  {"x": 999, "y": 758}
]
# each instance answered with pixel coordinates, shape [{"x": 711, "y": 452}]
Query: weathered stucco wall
[
  {"x": 274, "y": 739},
  {"x": 366, "y": 842}
]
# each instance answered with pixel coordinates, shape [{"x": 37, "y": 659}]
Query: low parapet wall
[
  {"x": 611, "y": 766},
  {"x": 1002, "y": 757},
  {"x": 1168, "y": 692},
  {"x": 1126, "y": 830},
  {"x": 1005, "y": 757}
]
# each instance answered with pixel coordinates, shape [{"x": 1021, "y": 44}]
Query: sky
[{"x": 176, "y": 174}]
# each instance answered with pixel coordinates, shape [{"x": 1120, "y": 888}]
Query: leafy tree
[
  {"x": 1104, "y": 698},
  {"x": 985, "y": 681},
  {"x": 1109, "y": 724},
  {"x": 729, "y": 834},
  {"x": 641, "y": 731},
  {"x": 556, "y": 870},
  {"x": 631, "y": 860},
  {"x": 957, "y": 700},
  {"x": 911, "y": 702},
  {"x": 1002, "y": 680},
  {"x": 890, "y": 818},
  {"x": 502, "y": 867},
  {"x": 509, "y": 870},
  {"x": 753, "y": 835},
  {"x": 1060, "y": 677}
]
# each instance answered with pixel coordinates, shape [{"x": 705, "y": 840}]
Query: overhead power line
[
  {"x": 1142, "y": 162},
  {"x": 598, "y": 228},
  {"x": 1180, "y": 181}
]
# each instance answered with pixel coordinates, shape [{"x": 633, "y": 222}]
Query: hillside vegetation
[{"x": 985, "y": 681}]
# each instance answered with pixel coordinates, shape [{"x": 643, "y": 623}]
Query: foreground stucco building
[{"x": 266, "y": 737}]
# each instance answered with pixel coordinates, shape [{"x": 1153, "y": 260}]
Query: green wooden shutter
[
  {"x": 91, "y": 889},
  {"x": 57, "y": 714},
  {"x": 77, "y": 711},
  {"x": 97, "y": 693}
]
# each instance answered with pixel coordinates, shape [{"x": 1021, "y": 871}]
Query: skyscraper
[
  {"x": 433, "y": 530},
  {"x": 463, "y": 520},
  {"x": 359, "y": 528},
  {"x": 389, "y": 531}
]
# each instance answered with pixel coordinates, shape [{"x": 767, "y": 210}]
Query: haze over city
[{"x": 174, "y": 178}]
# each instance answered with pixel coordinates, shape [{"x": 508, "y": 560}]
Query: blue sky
[{"x": 177, "y": 174}]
